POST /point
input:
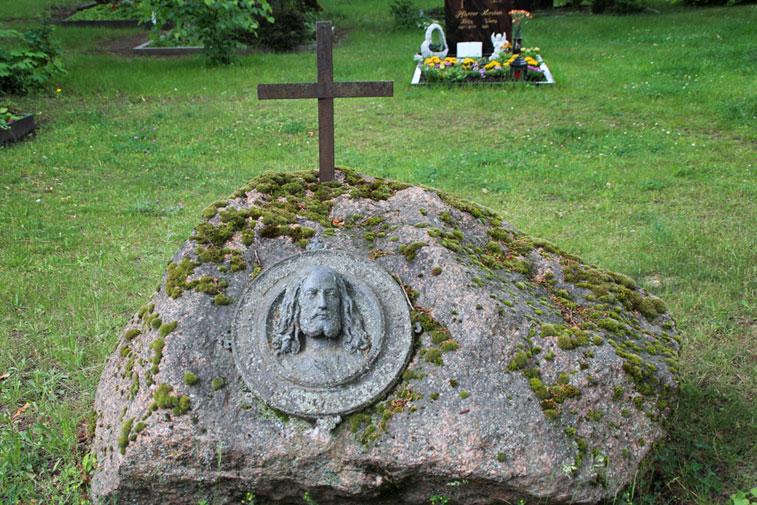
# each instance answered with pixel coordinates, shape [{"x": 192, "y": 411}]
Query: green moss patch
[
  {"x": 157, "y": 350},
  {"x": 131, "y": 334},
  {"x": 218, "y": 383},
  {"x": 411, "y": 251},
  {"x": 163, "y": 399},
  {"x": 221, "y": 299},
  {"x": 176, "y": 280},
  {"x": 439, "y": 334},
  {"x": 167, "y": 328},
  {"x": 434, "y": 356},
  {"x": 371, "y": 423},
  {"x": 124, "y": 437}
]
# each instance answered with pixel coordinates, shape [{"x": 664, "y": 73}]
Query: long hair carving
[{"x": 288, "y": 337}]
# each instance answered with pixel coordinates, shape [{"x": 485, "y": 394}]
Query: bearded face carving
[{"x": 319, "y": 308}]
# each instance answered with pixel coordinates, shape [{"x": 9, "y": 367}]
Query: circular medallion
[{"x": 321, "y": 333}]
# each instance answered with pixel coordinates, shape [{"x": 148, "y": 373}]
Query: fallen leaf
[
  {"x": 377, "y": 253},
  {"x": 21, "y": 411},
  {"x": 337, "y": 222},
  {"x": 4, "y": 376},
  {"x": 465, "y": 411}
]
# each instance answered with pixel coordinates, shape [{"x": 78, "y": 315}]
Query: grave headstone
[
  {"x": 369, "y": 342},
  {"x": 476, "y": 21}
]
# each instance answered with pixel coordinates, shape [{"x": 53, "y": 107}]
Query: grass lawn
[{"x": 640, "y": 159}]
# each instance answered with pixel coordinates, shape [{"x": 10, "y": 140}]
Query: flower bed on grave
[
  {"x": 508, "y": 62},
  {"x": 118, "y": 14},
  {"x": 166, "y": 45},
  {"x": 450, "y": 70},
  {"x": 14, "y": 126}
]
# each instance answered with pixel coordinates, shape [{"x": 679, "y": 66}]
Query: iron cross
[{"x": 325, "y": 90}]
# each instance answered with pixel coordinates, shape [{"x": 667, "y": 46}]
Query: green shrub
[
  {"x": 217, "y": 24},
  {"x": 405, "y": 14},
  {"x": 294, "y": 23},
  {"x": 29, "y": 65}
]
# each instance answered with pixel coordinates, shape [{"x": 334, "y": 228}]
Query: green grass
[
  {"x": 31, "y": 9},
  {"x": 640, "y": 159}
]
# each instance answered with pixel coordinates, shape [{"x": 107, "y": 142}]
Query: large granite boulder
[{"x": 515, "y": 371}]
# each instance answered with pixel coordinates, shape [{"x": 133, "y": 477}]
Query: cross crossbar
[
  {"x": 363, "y": 89},
  {"x": 325, "y": 90}
]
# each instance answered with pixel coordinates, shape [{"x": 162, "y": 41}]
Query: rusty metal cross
[{"x": 325, "y": 90}]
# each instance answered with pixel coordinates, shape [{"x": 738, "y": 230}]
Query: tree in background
[{"x": 219, "y": 25}]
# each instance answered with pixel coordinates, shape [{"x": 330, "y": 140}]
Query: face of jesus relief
[
  {"x": 319, "y": 307},
  {"x": 320, "y": 304}
]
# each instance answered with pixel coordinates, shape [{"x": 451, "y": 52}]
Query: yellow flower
[
  {"x": 468, "y": 63},
  {"x": 492, "y": 65},
  {"x": 532, "y": 61},
  {"x": 58, "y": 90},
  {"x": 432, "y": 60},
  {"x": 450, "y": 59}
]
